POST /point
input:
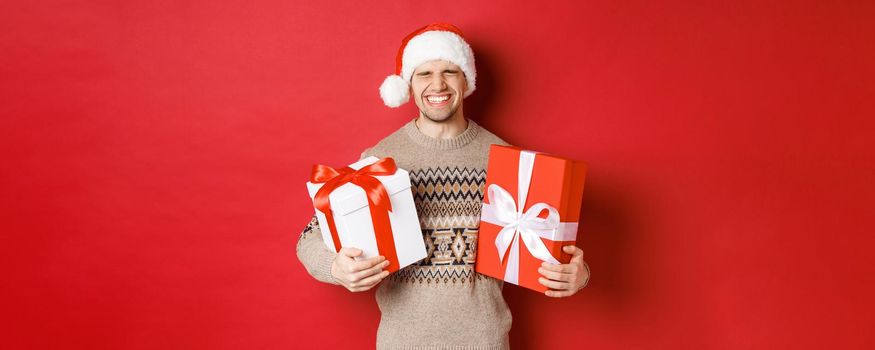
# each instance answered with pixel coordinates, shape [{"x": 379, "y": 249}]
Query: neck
[{"x": 446, "y": 129}]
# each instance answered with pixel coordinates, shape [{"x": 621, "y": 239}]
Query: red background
[{"x": 155, "y": 154}]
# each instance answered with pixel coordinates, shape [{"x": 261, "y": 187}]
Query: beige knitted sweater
[{"x": 440, "y": 302}]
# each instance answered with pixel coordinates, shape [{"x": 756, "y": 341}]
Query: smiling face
[{"x": 438, "y": 88}]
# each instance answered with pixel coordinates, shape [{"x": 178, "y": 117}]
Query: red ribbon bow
[{"x": 378, "y": 200}]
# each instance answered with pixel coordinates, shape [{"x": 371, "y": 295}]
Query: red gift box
[{"x": 531, "y": 210}]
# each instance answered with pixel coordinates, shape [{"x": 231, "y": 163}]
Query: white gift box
[{"x": 352, "y": 217}]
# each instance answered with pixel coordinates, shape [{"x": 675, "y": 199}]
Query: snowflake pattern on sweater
[{"x": 448, "y": 202}]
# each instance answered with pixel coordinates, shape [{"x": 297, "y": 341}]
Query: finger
[
  {"x": 365, "y": 264},
  {"x": 369, "y": 282},
  {"x": 370, "y": 271},
  {"x": 588, "y": 274},
  {"x": 576, "y": 253},
  {"x": 556, "y": 276},
  {"x": 350, "y": 265},
  {"x": 561, "y": 268},
  {"x": 559, "y": 293},
  {"x": 350, "y": 252},
  {"x": 553, "y": 284}
]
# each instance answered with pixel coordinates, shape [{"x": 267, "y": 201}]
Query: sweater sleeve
[{"x": 313, "y": 253}]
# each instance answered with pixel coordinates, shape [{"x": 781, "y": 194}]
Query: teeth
[{"x": 438, "y": 99}]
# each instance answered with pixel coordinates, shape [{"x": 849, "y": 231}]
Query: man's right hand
[{"x": 358, "y": 276}]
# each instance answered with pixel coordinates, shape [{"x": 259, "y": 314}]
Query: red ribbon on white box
[{"x": 521, "y": 224}]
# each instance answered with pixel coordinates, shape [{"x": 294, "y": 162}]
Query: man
[{"x": 439, "y": 302}]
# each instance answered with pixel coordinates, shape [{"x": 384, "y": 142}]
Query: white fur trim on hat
[
  {"x": 439, "y": 45},
  {"x": 425, "y": 47}
]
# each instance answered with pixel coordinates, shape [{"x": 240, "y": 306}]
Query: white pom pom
[{"x": 394, "y": 91}]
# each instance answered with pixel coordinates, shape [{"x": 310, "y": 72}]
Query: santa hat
[{"x": 436, "y": 41}]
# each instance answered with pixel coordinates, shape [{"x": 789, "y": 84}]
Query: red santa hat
[{"x": 436, "y": 41}]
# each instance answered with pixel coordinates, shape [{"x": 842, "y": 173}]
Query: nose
[{"x": 438, "y": 83}]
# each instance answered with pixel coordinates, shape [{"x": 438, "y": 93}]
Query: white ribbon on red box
[{"x": 518, "y": 224}]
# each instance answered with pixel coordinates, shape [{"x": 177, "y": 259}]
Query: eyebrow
[{"x": 443, "y": 71}]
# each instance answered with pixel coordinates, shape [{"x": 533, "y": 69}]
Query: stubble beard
[{"x": 438, "y": 117}]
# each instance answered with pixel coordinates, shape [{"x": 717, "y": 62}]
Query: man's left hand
[{"x": 565, "y": 280}]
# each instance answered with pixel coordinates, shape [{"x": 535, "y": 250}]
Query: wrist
[{"x": 331, "y": 270}]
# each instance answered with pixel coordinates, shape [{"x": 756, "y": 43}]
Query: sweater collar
[{"x": 426, "y": 141}]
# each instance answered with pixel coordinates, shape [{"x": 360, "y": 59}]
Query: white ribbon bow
[{"x": 523, "y": 225}]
